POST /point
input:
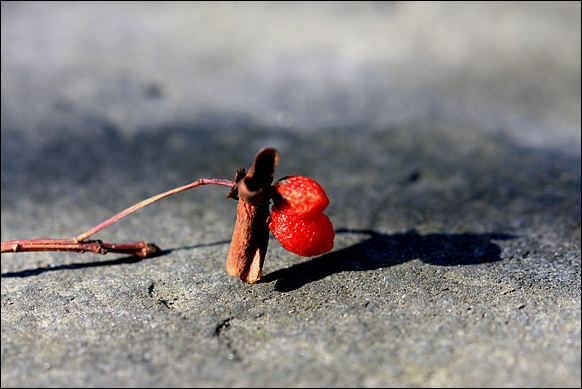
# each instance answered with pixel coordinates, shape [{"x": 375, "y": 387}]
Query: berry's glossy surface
[
  {"x": 299, "y": 196},
  {"x": 303, "y": 236}
]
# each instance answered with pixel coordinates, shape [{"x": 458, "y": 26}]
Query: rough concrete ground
[{"x": 446, "y": 135}]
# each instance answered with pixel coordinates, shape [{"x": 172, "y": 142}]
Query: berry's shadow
[
  {"x": 377, "y": 251},
  {"x": 382, "y": 250}
]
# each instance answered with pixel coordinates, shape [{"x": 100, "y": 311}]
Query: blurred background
[
  {"x": 112, "y": 87},
  {"x": 446, "y": 134},
  {"x": 110, "y": 100},
  {"x": 136, "y": 67}
]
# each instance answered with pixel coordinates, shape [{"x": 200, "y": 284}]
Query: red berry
[
  {"x": 306, "y": 237},
  {"x": 299, "y": 196}
]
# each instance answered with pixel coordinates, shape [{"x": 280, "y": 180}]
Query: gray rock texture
[{"x": 447, "y": 136}]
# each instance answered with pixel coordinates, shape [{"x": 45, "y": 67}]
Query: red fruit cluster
[
  {"x": 299, "y": 196},
  {"x": 297, "y": 218}
]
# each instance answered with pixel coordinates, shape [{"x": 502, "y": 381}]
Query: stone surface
[{"x": 446, "y": 135}]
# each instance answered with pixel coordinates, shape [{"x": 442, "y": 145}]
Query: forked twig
[{"x": 78, "y": 244}]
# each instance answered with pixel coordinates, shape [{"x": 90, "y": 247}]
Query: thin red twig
[
  {"x": 133, "y": 208},
  {"x": 78, "y": 244}
]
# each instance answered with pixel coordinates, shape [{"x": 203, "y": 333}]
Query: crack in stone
[
  {"x": 161, "y": 301},
  {"x": 219, "y": 332},
  {"x": 219, "y": 328},
  {"x": 151, "y": 289}
]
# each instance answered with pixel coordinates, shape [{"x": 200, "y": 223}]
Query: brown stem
[
  {"x": 251, "y": 233},
  {"x": 141, "y": 249}
]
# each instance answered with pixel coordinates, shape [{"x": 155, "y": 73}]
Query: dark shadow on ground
[
  {"x": 72, "y": 266},
  {"x": 109, "y": 262},
  {"x": 197, "y": 246},
  {"x": 378, "y": 251},
  {"x": 381, "y": 250}
]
